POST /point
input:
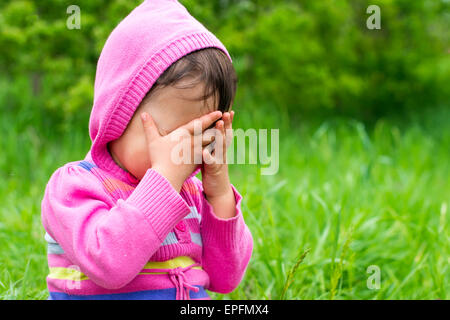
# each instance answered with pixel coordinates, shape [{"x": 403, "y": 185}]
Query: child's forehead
[
  {"x": 187, "y": 100},
  {"x": 171, "y": 106}
]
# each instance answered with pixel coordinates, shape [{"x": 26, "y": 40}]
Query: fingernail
[{"x": 144, "y": 116}]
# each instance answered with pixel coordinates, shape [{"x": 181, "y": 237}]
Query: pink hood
[{"x": 150, "y": 39}]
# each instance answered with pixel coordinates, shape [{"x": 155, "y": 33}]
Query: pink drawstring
[{"x": 178, "y": 278}]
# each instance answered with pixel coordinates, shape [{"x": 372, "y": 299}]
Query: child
[{"x": 127, "y": 222}]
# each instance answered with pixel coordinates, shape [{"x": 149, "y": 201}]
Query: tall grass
[{"x": 346, "y": 197}]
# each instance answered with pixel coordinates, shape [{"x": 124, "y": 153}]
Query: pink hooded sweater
[{"x": 111, "y": 236}]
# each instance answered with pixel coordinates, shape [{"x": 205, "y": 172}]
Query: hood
[{"x": 151, "y": 38}]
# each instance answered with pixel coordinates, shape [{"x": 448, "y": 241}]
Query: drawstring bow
[{"x": 178, "y": 278}]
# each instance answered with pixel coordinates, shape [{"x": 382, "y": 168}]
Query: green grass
[{"x": 346, "y": 197}]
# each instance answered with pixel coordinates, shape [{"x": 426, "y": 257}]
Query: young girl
[{"x": 127, "y": 222}]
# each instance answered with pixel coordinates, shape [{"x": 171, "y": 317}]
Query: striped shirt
[{"x": 113, "y": 239}]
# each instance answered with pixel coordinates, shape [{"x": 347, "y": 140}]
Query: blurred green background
[{"x": 364, "y": 138}]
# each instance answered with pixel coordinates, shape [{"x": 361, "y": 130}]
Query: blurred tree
[{"x": 301, "y": 56}]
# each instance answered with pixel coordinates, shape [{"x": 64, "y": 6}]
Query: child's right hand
[{"x": 160, "y": 147}]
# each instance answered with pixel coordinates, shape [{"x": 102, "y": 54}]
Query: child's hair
[{"x": 210, "y": 66}]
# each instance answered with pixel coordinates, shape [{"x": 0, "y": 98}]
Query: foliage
[
  {"x": 347, "y": 195},
  {"x": 303, "y": 56}
]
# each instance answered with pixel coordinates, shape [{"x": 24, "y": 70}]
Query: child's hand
[
  {"x": 216, "y": 183},
  {"x": 160, "y": 147}
]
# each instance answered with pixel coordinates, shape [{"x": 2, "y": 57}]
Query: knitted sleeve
[
  {"x": 227, "y": 244},
  {"x": 109, "y": 242}
]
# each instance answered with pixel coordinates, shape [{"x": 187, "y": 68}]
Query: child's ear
[
  {"x": 211, "y": 146},
  {"x": 108, "y": 147}
]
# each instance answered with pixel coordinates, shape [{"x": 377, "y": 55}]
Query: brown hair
[{"x": 210, "y": 66}]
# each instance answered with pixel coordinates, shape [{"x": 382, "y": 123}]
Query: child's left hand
[{"x": 215, "y": 179}]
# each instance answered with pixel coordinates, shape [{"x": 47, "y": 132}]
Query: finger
[
  {"x": 224, "y": 144},
  {"x": 210, "y": 147},
  {"x": 220, "y": 150},
  {"x": 205, "y": 121},
  {"x": 222, "y": 126},
  {"x": 150, "y": 129},
  {"x": 227, "y": 120},
  {"x": 229, "y": 130},
  {"x": 213, "y": 125}
]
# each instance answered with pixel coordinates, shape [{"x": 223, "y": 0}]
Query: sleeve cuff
[
  {"x": 226, "y": 232},
  {"x": 160, "y": 203}
]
